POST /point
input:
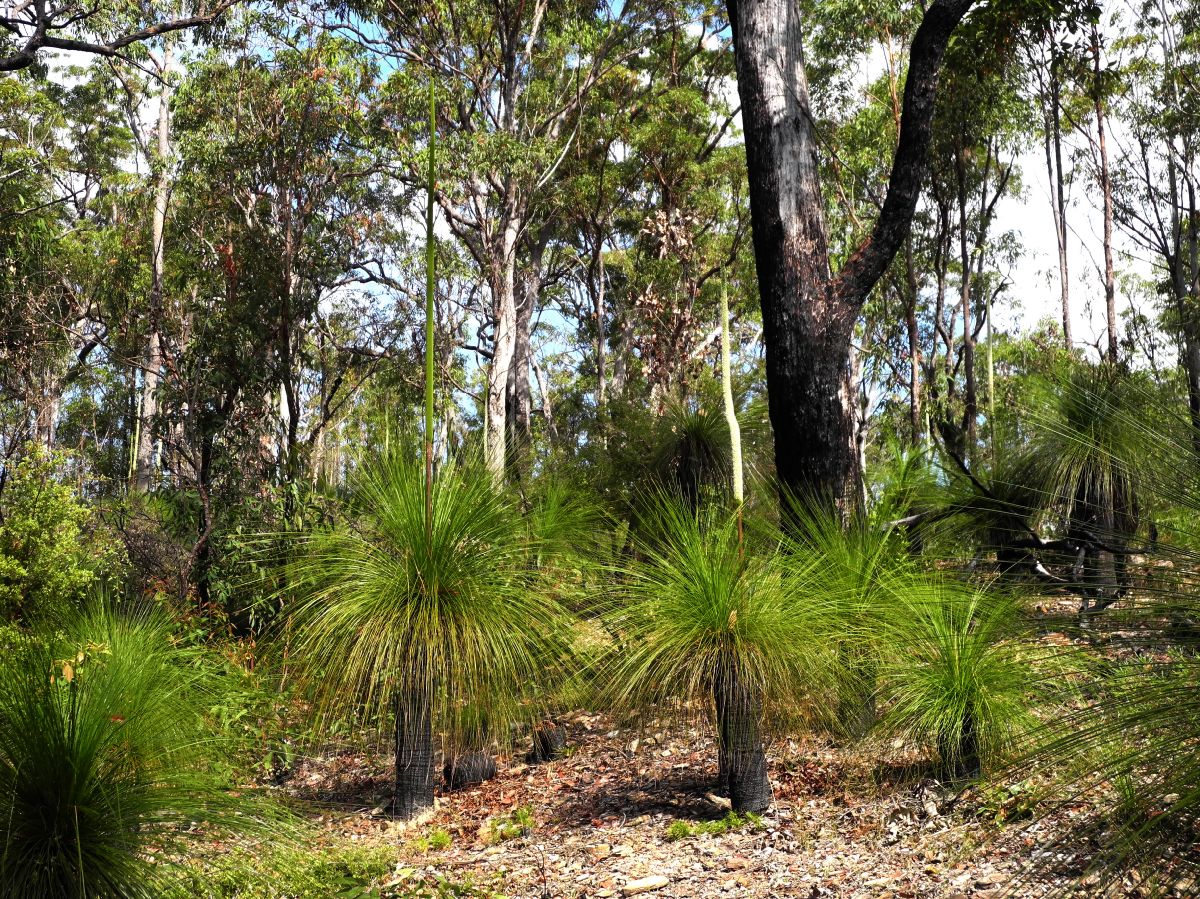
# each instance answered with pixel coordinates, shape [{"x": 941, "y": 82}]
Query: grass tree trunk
[
  {"x": 414, "y": 751},
  {"x": 742, "y": 758},
  {"x": 960, "y": 752}
]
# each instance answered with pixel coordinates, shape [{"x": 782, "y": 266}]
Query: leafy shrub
[{"x": 52, "y": 547}]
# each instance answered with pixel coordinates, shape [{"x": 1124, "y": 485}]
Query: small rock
[{"x": 645, "y": 885}]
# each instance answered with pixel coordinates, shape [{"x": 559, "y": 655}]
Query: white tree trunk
[{"x": 143, "y": 479}]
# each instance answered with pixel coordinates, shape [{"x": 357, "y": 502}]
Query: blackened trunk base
[
  {"x": 414, "y": 755},
  {"x": 961, "y": 761},
  {"x": 742, "y": 761}
]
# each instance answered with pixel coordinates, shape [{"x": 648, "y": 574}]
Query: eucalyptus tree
[
  {"x": 107, "y": 28},
  {"x": 808, "y": 313},
  {"x": 515, "y": 80},
  {"x": 62, "y": 231},
  {"x": 282, "y": 173},
  {"x": 1157, "y": 179}
]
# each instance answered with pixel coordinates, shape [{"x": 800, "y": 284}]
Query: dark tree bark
[
  {"x": 960, "y": 756},
  {"x": 742, "y": 761},
  {"x": 414, "y": 752},
  {"x": 808, "y": 314},
  {"x": 466, "y": 769},
  {"x": 549, "y": 743}
]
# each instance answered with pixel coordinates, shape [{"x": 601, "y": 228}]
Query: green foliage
[
  {"x": 694, "y": 602},
  {"x": 682, "y": 830},
  {"x": 390, "y": 606},
  {"x": 105, "y": 753},
  {"x": 52, "y": 546},
  {"x": 954, "y": 676},
  {"x": 1003, "y": 803},
  {"x": 516, "y": 824}
]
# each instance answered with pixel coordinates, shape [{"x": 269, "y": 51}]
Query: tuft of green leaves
[
  {"x": 682, "y": 830},
  {"x": 105, "y": 752},
  {"x": 390, "y": 606},
  {"x": 695, "y": 601}
]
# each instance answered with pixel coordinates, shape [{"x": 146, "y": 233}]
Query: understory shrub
[{"x": 52, "y": 546}]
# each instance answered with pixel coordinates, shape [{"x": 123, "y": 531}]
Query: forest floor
[{"x": 841, "y": 825}]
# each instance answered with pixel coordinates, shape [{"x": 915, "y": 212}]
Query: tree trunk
[
  {"x": 143, "y": 479},
  {"x": 970, "y": 395},
  {"x": 599, "y": 292},
  {"x": 504, "y": 315},
  {"x": 1110, "y": 287},
  {"x": 808, "y": 316},
  {"x": 1054, "y": 166},
  {"x": 414, "y": 752},
  {"x": 960, "y": 755},
  {"x": 742, "y": 762},
  {"x": 805, "y": 331},
  {"x": 914, "y": 346}
]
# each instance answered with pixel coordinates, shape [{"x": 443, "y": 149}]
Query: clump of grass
[
  {"x": 436, "y": 840},
  {"x": 347, "y": 872},
  {"x": 682, "y": 830},
  {"x": 518, "y": 823}
]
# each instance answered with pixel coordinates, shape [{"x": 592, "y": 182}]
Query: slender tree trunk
[
  {"x": 520, "y": 395},
  {"x": 742, "y": 760},
  {"x": 970, "y": 396},
  {"x": 621, "y": 364},
  {"x": 1110, "y": 287},
  {"x": 143, "y": 480},
  {"x": 1190, "y": 293},
  {"x": 1059, "y": 201},
  {"x": 504, "y": 314},
  {"x": 599, "y": 292},
  {"x": 911, "y": 299}
]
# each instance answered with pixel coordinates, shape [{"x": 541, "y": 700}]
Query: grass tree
[
  {"x": 955, "y": 676},
  {"x": 106, "y": 759},
  {"x": 441, "y": 620},
  {"x": 705, "y": 623}
]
